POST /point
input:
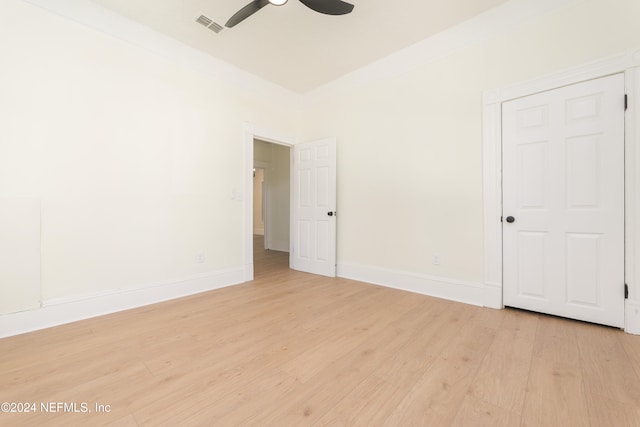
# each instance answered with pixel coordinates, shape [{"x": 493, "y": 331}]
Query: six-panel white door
[
  {"x": 314, "y": 207},
  {"x": 563, "y": 201}
]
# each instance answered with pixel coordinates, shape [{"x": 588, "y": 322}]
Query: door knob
[
  {"x": 331, "y": 213},
  {"x": 510, "y": 219}
]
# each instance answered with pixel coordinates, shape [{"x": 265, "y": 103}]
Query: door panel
[
  {"x": 583, "y": 172},
  {"x": 583, "y": 258},
  {"x": 314, "y": 249},
  {"x": 533, "y": 164},
  {"x": 563, "y": 182},
  {"x": 531, "y": 260}
]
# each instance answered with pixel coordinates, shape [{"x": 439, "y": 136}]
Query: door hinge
[
  {"x": 626, "y": 291},
  {"x": 626, "y": 102}
]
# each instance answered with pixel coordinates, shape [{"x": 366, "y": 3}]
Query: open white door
[
  {"x": 563, "y": 201},
  {"x": 314, "y": 207}
]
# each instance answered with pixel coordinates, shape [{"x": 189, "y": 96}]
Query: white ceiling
[{"x": 295, "y": 47}]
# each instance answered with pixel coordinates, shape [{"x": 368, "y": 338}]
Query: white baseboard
[
  {"x": 493, "y": 295},
  {"x": 248, "y": 272},
  {"x": 632, "y": 317},
  {"x": 439, "y": 287},
  {"x": 66, "y": 310}
]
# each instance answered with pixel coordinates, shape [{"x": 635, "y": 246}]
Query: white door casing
[
  {"x": 314, "y": 207},
  {"x": 563, "y": 183}
]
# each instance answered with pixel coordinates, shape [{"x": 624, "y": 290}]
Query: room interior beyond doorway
[{"x": 271, "y": 196}]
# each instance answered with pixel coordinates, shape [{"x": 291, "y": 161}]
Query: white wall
[
  {"x": 133, "y": 157},
  {"x": 410, "y": 141},
  {"x": 19, "y": 254}
]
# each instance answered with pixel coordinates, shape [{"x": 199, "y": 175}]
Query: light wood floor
[{"x": 293, "y": 349}]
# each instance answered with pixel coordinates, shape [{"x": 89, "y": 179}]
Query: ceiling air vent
[{"x": 207, "y": 22}]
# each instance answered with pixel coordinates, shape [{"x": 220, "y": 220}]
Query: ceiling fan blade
[
  {"x": 329, "y": 7},
  {"x": 246, "y": 12}
]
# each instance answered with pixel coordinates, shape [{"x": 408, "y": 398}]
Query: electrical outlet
[
  {"x": 435, "y": 259},
  {"x": 200, "y": 257}
]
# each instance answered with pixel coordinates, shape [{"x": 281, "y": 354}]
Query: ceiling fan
[{"x": 328, "y": 7}]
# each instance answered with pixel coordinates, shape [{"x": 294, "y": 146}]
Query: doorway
[
  {"x": 271, "y": 205},
  {"x": 312, "y": 186}
]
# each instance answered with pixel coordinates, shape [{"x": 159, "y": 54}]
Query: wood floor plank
[
  {"x": 50, "y": 376},
  {"x": 104, "y": 389},
  {"x": 225, "y": 376},
  {"x": 502, "y": 382},
  {"x": 631, "y": 345},
  {"x": 357, "y": 304},
  {"x": 431, "y": 325},
  {"x": 606, "y": 412},
  {"x": 53, "y": 344},
  {"x": 369, "y": 404},
  {"x": 555, "y": 391},
  {"x": 515, "y": 336},
  {"x": 503, "y": 375},
  {"x": 606, "y": 368},
  {"x": 438, "y": 395},
  {"x": 354, "y": 329},
  {"x": 309, "y": 402},
  {"x": 555, "y": 396},
  {"x": 479, "y": 413},
  {"x": 232, "y": 406},
  {"x": 556, "y": 340},
  {"x": 127, "y": 421},
  {"x": 213, "y": 404}
]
